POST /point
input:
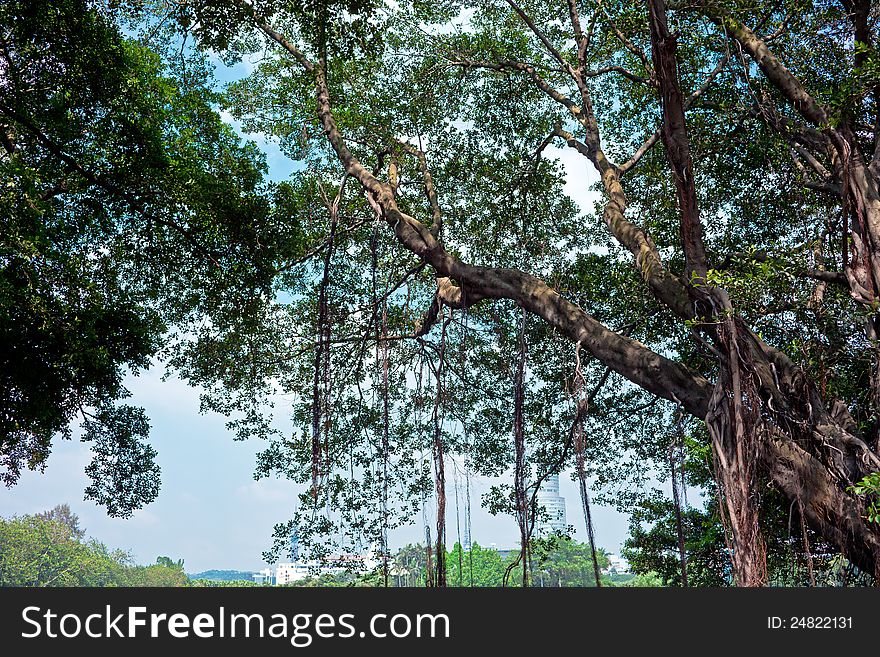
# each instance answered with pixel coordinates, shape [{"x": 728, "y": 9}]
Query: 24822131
[{"x": 810, "y": 623}]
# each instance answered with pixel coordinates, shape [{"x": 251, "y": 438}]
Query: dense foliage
[
  {"x": 223, "y": 576},
  {"x": 125, "y": 204}
]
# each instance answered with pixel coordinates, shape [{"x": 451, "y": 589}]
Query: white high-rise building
[{"x": 553, "y": 517}]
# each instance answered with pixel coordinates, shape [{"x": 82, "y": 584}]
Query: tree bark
[
  {"x": 675, "y": 139},
  {"x": 734, "y": 420}
]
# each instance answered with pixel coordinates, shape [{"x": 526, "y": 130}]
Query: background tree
[
  {"x": 63, "y": 515},
  {"x": 478, "y": 566},
  {"x": 560, "y": 561},
  {"x": 127, "y": 204},
  {"x": 49, "y": 549}
]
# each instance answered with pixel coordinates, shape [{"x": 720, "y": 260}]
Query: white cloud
[
  {"x": 268, "y": 491},
  {"x": 580, "y": 174}
]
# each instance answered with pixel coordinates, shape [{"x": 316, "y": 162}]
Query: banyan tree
[{"x": 636, "y": 240}]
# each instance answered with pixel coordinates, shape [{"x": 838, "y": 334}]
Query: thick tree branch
[
  {"x": 676, "y": 141},
  {"x": 582, "y": 41},
  {"x": 836, "y": 277},
  {"x": 815, "y": 164},
  {"x": 770, "y": 65},
  {"x": 782, "y": 392},
  {"x": 861, "y": 189},
  {"x": 626, "y": 356}
]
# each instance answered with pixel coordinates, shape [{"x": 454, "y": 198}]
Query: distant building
[
  {"x": 617, "y": 565},
  {"x": 263, "y": 576},
  {"x": 334, "y": 564},
  {"x": 287, "y": 573},
  {"x": 294, "y": 545},
  {"x": 552, "y": 519}
]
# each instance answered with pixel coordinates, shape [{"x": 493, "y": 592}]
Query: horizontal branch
[
  {"x": 630, "y": 358},
  {"x": 836, "y": 277}
]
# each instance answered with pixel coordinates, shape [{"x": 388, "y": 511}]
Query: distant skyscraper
[
  {"x": 294, "y": 546},
  {"x": 553, "y": 508}
]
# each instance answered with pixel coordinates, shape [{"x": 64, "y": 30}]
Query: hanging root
[
  {"x": 385, "y": 447},
  {"x": 807, "y": 551},
  {"x": 458, "y": 532},
  {"x": 522, "y": 506},
  {"x": 582, "y": 407},
  {"x": 735, "y": 428},
  {"x": 429, "y": 565},
  {"x": 678, "y": 486},
  {"x": 321, "y": 378},
  {"x": 439, "y": 466},
  {"x": 467, "y": 450}
]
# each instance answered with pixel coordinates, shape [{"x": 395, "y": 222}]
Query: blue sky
[{"x": 211, "y": 512}]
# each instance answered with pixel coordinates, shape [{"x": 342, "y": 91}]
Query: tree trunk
[{"x": 735, "y": 429}]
